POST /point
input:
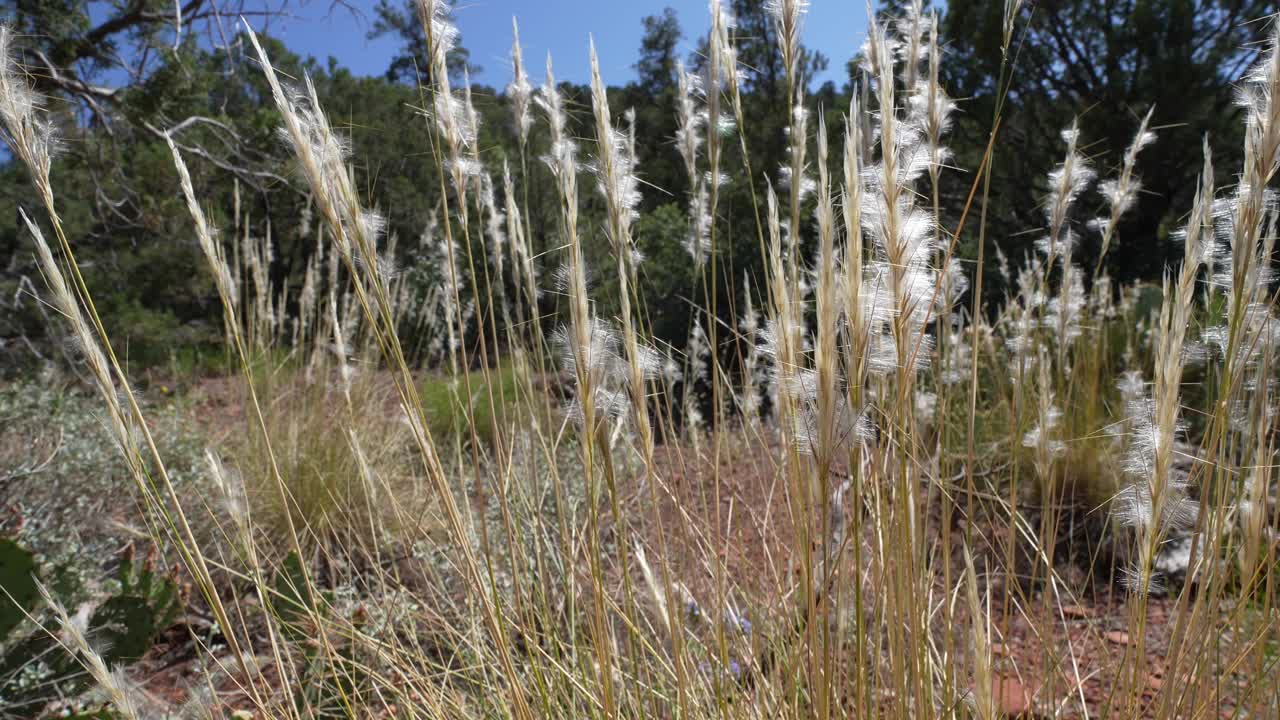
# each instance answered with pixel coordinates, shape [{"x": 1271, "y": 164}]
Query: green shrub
[{"x": 478, "y": 400}]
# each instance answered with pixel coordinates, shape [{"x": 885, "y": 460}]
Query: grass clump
[
  {"x": 331, "y": 476},
  {"x": 487, "y": 401}
]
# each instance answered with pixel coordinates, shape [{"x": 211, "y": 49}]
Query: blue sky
[{"x": 834, "y": 27}]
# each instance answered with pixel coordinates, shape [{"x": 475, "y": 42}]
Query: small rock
[
  {"x": 1117, "y": 637},
  {"x": 1173, "y": 559},
  {"x": 1076, "y": 611},
  {"x": 1013, "y": 699}
]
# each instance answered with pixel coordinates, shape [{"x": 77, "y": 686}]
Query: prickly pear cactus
[
  {"x": 295, "y": 600},
  {"x": 18, "y": 580},
  {"x": 159, "y": 592},
  {"x": 329, "y": 681},
  {"x": 124, "y": 625},
  {"x": 127, "y": 623}
]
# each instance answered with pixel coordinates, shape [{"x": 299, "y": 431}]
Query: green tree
[
  {"x": 657, "y": 64},
  {"x": 652, "y": 98},
  {"x": 114, "y": 177},
  {"x": 411, "y": 65},
  {"x": 1108, "y": 63}
]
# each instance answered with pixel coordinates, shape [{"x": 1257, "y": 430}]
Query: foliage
[
  {"x": 17, "y": 578},
  {"x": 483, "y": 400},
  {"x": 335, "y": 479},
  {"x": 401, "y": 19},
  {"x": 1116, "y": 63},
  {"x": 1109, "y": 63},
  {"x": 34, "y": 670}
]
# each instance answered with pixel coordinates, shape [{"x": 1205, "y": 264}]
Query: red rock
[
  {"x": 1118, "y": 637},
  {"x": 1013, "y": 700},
  {"x": 1076, "y": 611}
]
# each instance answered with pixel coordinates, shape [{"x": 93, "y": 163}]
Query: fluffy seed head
[
  {"x": 519, "y": 90},
  {"x": 27, "y": 133}
]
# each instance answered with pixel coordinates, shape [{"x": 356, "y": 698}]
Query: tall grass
[{"x": 482, "y": 549}]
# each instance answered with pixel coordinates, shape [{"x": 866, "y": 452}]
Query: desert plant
[{"x": 105, "y": 636}]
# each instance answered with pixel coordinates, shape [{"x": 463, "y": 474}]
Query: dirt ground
[{"x": 1087, "y": 626}]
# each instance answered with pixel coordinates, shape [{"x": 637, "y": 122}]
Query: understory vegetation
[{"x": 478, "y": 478}]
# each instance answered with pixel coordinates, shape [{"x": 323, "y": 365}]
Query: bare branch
[{"x": 251, "y": 177}]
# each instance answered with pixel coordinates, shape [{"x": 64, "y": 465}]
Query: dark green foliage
[
  {"x": 400, "y": 19},
  {"x": 445, "y": 415},
  {"x": 330, "y": 680},
  {"x": 18, "y": 582},
  {"x": 1107, "y": 63},
  {"x": 667, "y": 272},
  {"x": 36, "y": 668},
  {"x": 145, "y": 604},
  {"x": 126, "y": 625},
  {"x": 657, "y": 64},
  {"x": 653, "y": 97},
  {"x": 295, "y": 601}
]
